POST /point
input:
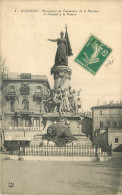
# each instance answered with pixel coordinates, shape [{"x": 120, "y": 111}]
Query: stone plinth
[
  {"x": 71, "y": 121},
  {"x": 74, "y": 122},
  {"x": 62, "y": 76}
]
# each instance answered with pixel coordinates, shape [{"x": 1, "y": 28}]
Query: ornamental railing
[
  {"x": 24, "y": 128},
  {"x": 69, "y": 150},
  {"x": 25, "y": 111}
]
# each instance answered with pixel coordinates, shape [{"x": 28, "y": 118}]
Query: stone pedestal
[
  {"x": 62, "y": 76},
  {"x": 74, "y": 126},
  {"x": 72, "y": 120}
]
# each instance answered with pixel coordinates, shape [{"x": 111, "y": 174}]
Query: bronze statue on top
[{"x": 64, "y": 49}]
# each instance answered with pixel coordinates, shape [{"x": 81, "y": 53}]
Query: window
[
  {"x": 24, "y": 89},
  {"x": 116, "y": 140},
  {"x": 120, "y": 124},
  {"x": 115, "y": 124},
  {"x": 26, "y": 104},
  {"x": 36, "y": 123},
  {"x": 115, "y": 111},
  {"x": 12, "y": 122},
  {"x": 108, "y": 124},
  {"x": 107, "y": 111},
  {"x": 120, "y": 111},
  {"x": 95, "y": 134},
  {"x": 101, "y": 112},
  {"x": 12, "y": 88},
  {"x": 38, "y": 106},
  {"x": 39, "y": 89},
  {"x": 101, "y": 124},
  {"x": 12, "y": 105},
  {"x": 25, "y": 122}
]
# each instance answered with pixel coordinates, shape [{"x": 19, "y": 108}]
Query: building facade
[
  {"x": 26, "y": 115},
  {"x": 23, "y": 108},
  {"x": 86, "y": 126},
  {"x": 107, "y": 124}
]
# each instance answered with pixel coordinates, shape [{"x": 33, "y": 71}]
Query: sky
[{"x": 25, "y": 47}]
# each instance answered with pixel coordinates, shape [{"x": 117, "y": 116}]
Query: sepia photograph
[{"x": 60, "y": 97}]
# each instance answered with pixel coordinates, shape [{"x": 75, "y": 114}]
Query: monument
[
  {"x": 68, "y": 100},
  {"x": 62, "y": 124},
  {"x": 60, "y": 70}
]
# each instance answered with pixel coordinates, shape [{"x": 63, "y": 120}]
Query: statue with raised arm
[{"x": 63, "y": 50}]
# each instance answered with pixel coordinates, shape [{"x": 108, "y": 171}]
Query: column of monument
[{"x": 61, "y": 72}]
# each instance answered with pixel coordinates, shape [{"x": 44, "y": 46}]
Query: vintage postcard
[{"x": 60, "y": 97}]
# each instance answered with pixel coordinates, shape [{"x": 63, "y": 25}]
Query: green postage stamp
[{"x": 93, "y": 54}]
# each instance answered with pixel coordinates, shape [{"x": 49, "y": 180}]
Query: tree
[
  {"x": 3, "y": 69},
  {"x": 3, "y": 74}
]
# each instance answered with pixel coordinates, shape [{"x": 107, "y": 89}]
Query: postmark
[
  {"x": 10, "y": 184},
  {"x": 93, "y": 54}
]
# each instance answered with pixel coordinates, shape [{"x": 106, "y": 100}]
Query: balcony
[
  {"x": 17, "y": 138},
  {"x": 38, "y": 95},
  {"x": 11, "y": 94},
  {"x": 24, "y": 128},
  {"x": 25, "y": 111}
]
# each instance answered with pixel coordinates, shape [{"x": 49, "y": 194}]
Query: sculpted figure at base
[
  {"x": 59, "y": 134},
  {"x": 62, "y": 101}
]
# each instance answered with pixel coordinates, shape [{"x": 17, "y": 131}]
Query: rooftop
[
  {"x": 110, "y": 105},
  {"x": 26, "y": 77},
  {"x": 16, "y": 76}
]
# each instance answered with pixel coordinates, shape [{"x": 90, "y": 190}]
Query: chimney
[
  {"x": 98, "y": 102},
  {"x": 111, "y": 102}
]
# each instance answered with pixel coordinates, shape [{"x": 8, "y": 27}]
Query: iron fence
[{"x": 70, "y": 150}]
